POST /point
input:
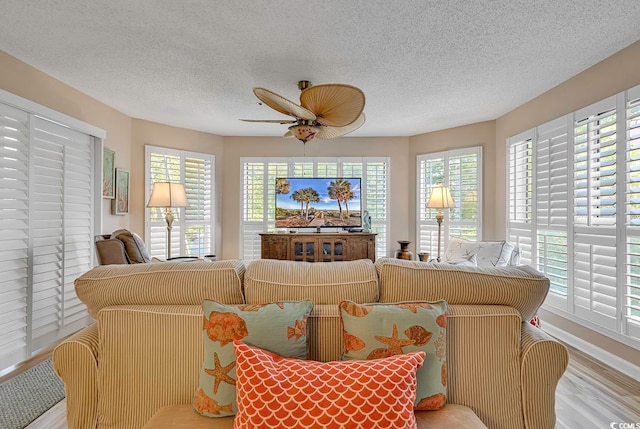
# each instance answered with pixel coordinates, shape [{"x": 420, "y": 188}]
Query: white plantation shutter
[
  {"x": 552, "y": 202},
  {"x": 632, "y": 228},
  {"x": 259, "y": 194},
  {"x": 198, "y": 180},
  {"x": 14, "y": 235},
  {"x": 192, "y": 231},
  {"x": 61, "y": 232},
  {"x": 520, "y": 195},
  {"x": 465, "y": 186},
  {"x": 594, "y": 213},
  {"x": 47, "y": 215},
  {"x": 431, "y": 172},
  {"x": 461, "y": 170},
  {"x": 374, "y": 200}
]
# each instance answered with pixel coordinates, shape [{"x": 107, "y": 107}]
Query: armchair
[{"x": 126, "y": 247}]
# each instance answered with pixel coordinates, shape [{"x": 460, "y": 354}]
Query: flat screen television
[{"x": 318, "y": 202}]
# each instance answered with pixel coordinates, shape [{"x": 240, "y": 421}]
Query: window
[
  {"x": 583, "y": 233},
  {"x": 258, "y": 193},
  {"x": 461, "y": 170},
  {"x": 48, "y": 210},
  {"x": 192, "y": 232}
]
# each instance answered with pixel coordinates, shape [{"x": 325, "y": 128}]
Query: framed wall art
[
  {"x": 120, "y": 204},
  {"x": 108, "y": 173}
]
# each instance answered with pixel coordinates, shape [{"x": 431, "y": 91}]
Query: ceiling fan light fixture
[{"x": 303, "y": 132}]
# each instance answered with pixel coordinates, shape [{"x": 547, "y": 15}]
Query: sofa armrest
[
  {"x": 543, "y": 361},
  {"x": 75, "y": 361}
]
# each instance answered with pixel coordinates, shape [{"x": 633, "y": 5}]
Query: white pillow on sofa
[{"x": 487, "y": 253}]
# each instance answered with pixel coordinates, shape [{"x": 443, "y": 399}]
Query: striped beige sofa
[{"x": 138, "y": 365}]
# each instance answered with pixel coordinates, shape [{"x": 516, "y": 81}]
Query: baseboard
[{"x": 602, "y": 355}]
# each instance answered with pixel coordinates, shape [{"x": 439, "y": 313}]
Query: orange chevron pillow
[{"x": 278, "y": 392}]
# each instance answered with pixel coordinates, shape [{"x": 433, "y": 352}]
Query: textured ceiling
[{"x": 423, "y": 65}]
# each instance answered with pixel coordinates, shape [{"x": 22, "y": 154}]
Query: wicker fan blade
[
  {"x": 272, "y": 121},
  {"x": 327, "y": 133},
  {"x": 282, "y": 105},
  {"x": 288, "y": 135},
  {"x": 335, "y": 105}
]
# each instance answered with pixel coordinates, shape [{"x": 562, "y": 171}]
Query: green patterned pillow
[
  {"x": 278, "y": 327},
  {"x": 374, "y": 331}
]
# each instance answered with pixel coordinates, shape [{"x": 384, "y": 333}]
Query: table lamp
[
  {"x": 168, "y": 195},
  {"x": 440, "y": 199}
]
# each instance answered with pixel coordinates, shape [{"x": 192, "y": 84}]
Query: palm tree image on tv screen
[{"x": 318, "y": 202}]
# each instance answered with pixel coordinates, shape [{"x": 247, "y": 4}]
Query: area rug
[{"x": 27, "y": 396}]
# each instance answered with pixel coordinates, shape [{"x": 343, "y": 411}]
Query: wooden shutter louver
[
  {"x": 197, "y": 217},
  {"x": 594, "y": 214},
  {"x": 375, "y": 202},
  {"x": 61, "y": 231},
  {"x": 14, "y": 234},
  {"x": 431, "y": 172},
  {"x": 464, "y": 183},
  {"x": 632, "y": 228},
  {"x": 520, "y": 196},
  {"x": 163, "y": 168}
]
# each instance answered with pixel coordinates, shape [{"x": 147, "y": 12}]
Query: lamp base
[{"x": 169, "y": 218}]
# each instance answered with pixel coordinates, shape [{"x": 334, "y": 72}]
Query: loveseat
[{"x": 143, "y": 355}]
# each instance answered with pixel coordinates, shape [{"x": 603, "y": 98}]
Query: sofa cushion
[
  {"x": 488, "y": 253},
  {"x": 277, "y": 392},
  {"x": 134, "y": 246},
  {"x": 521, "y": 287},
  {"x": 170, "y": 283},
  {"x": 278, "y": 327},
  {"x": 270, "y": 280},
  {"x": 373, "y": 331}
]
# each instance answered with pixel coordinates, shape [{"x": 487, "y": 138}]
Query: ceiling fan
[{"x": 325, "y": 111}]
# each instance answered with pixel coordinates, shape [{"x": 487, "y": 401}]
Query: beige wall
[
  {"x": 27, "y": 82},
  {"x": 236, "y": 147},
  {"x": 611, "y": 76},
  {"x": 479, "y": 134},
  {"x": 153, "y": 133}
]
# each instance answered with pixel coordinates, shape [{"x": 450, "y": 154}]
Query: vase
[{"x": 404, "y": 252}]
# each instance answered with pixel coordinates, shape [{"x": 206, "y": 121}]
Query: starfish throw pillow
[
  {"x": 373, "y": 331},
  {"x": 277, "y": 327}
]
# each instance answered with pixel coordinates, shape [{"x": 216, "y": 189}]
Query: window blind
[
  {"x": 193, "y": 229},
  {"x": 14, "y": 236},
  {"x": 594, "y": 214},
  {"x": 461, "y": 170},
  {"x": 47, "y": 210},
  {"x": 586, "y": 170},
  {"x": 632, "y": 293}
]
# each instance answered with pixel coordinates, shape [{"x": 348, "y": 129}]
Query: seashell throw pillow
[
  {"x": 373, "y": 331},
  {"x": 277, "y": 327}
]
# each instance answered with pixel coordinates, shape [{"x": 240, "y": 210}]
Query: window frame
[
  {"x": 594, "y": 253},
  {"x": 307, "y": 167},
  {"x": 425, "y": 218},
  {"x": 66, "y": 322},
  {"x": 180, "y": 220}
]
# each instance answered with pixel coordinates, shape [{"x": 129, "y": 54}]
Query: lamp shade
[
  {"x": 166, "y": 194},
  {"x": 440, "y": 198}
]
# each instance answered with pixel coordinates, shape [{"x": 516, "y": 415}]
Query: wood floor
[{"x": 589, "y": 395}]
